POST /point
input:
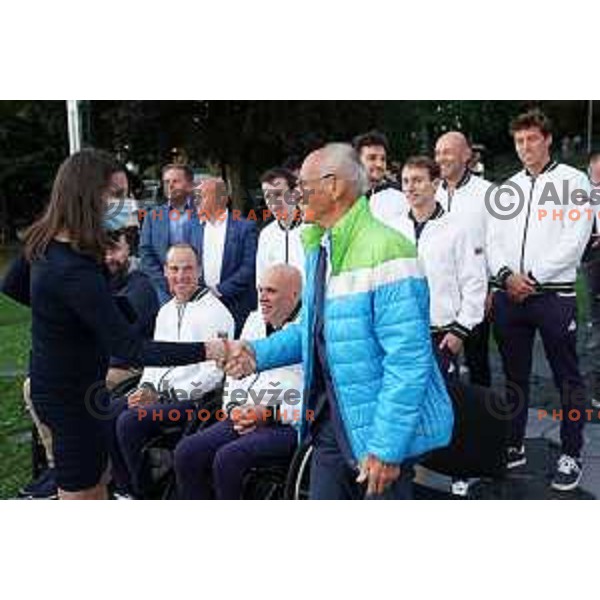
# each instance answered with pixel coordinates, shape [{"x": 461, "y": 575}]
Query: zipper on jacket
[
  {"x": 526, "y": 225},
  {"x": 287, "y": 247}
]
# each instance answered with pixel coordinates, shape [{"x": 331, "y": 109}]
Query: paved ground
[{"x": 531, "y": 482}]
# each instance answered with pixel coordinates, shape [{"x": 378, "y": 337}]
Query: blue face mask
[{"x": 117, "y": 215}]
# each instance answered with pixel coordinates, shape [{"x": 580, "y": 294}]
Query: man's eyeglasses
[{"x": 303, "y": 183}]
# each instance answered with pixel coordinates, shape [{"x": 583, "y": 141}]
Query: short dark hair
[
  {"x": 371, "y": 138},
  {"x": 279, "y": 173},
  {"x": 188, "y": 172},
  {"x": 114, "y": 236},
  {"x": 530, "y": 119},
  {"x": 424, "y": 162}
]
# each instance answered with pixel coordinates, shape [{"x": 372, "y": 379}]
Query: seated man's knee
[
  {"x": 230, "y": 459},
  {"x": 189, "y": 455}
]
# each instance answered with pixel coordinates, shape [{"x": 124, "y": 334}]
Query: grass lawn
[{"x": 15, "y": 425}]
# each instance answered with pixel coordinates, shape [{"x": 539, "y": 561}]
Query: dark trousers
[
  {"x": 555, "y": 317},
  {"x": 477, "y": 354},
  {"x": 218, "y": 459},
  {"x": 591, "y": 273},
  {"x": 332, "y": 478},
  {"x": 133, "y": 433}
]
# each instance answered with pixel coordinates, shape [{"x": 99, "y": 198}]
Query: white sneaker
[
  {"x": 568, "y": 473},
  {"x": 595, "y": 403}
]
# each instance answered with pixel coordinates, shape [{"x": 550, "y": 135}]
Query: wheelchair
[{"x": 288, "y": 480}]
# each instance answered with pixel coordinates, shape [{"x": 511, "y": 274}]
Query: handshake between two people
[{"x": 236, "y": 358}]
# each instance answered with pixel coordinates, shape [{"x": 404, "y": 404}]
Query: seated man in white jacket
[
  {"x": 263, "y": 409},
  {"x": 279, "y": 241},
  {"x": 455, "y": 271},
  {"x": 165, "y": 393}
]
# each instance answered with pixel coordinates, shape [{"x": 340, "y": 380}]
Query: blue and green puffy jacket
[{"x": 390, "y": 394}]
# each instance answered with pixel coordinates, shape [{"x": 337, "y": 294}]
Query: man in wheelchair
[
  {"x": 262, "y": 409},
  {"x": 167, "y": 399}
]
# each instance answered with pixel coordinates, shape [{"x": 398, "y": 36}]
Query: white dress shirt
[{"x": 212, "y": 250}]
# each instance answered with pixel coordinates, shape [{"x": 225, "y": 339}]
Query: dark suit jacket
[{"x": 237, "y": 270}]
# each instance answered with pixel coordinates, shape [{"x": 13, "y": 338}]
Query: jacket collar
[
  {"x": 437, "y": 213},
  {"x": 293, "y": 225},
  {"x": 341, "y": 233},
  {"x": 549, "y": 166},
  {"x": 189, "y": 204},
  {"x": 466, "y": 177},
  {"x": 292, "y": 317},
  {"x": 385, "y": 184}
]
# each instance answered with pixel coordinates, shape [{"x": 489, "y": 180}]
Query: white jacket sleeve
[
  {"x": 568, "y": 249},
  {"x": 472, "y": 281}
]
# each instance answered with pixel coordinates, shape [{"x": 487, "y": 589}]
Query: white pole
[{"x": 74, "y": 124}]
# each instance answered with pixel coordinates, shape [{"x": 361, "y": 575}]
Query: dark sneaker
[
  {"x": 42, "y": 488},
  {"x": 568, "y": 473},
  {"x": 515, "y": 457},
  {"x": 462, "y": 487}
]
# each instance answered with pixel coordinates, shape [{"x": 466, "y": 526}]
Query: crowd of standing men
[{"x": 365, "y": 294}]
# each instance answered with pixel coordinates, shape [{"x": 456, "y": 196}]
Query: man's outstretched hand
[{"x": 236, "y": 358}]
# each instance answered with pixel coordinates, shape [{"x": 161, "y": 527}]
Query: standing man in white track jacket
[
  {"x": 533, "y": 256},
  {"x": 462, "y": 195}
]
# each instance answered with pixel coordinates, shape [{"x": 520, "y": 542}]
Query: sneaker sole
[
  {"x": 562, "y": 487},
  {"x": 516, "y": 463}
]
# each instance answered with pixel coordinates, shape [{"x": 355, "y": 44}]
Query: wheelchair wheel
[{"x": 298, "y": 477}]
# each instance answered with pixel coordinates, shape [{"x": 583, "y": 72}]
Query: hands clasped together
[{"x": 235, "y": 358}]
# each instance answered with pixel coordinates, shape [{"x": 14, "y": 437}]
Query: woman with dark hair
[{"x": 76, "y": 326}]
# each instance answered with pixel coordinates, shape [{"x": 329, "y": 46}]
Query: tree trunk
[{"x": 233, "y": 175}]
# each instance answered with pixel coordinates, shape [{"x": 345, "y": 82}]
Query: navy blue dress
[{"x": 76, "y": 327}]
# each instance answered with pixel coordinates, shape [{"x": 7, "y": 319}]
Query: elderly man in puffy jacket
[{"x": 369, "y": 371}]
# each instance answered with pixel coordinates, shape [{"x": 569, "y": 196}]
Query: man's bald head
[
  {"x": 332, "y": 179},
  {"x": 452, "y": 154},
  {"x": 280, "y": 288}
]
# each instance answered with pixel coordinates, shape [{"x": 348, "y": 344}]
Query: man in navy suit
[
  {"x": 169, "y": 224},
  {"x": 226, "y": 242},
  {"x": 227, "y": 245}
]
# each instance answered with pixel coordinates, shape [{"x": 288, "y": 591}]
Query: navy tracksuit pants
[{"x": 555, "y": 317}]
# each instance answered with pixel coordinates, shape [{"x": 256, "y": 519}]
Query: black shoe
[
  {"x": 42, "y": 488},
  {"x": 568, "y": 473},
  {"x": 515, "y": 457}
]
